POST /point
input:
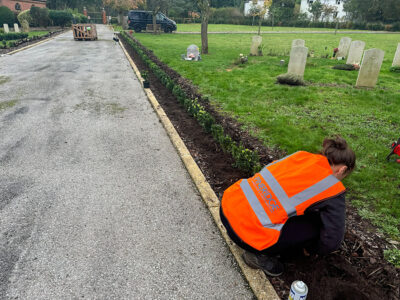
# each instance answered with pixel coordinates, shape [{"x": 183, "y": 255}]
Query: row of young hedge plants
[
  {"x": 244, "y": 159},
  {"x": 13, "y": 36}
]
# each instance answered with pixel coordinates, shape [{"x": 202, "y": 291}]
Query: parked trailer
[{"x": 83, "y": 32}]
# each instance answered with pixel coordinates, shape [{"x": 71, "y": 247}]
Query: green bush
[
  {"x": 226, "y": 15},
  {"x": 114, "y": 20},
  {"x": 395, "y": 69},
  {"x": 40, "y": 16},
  {"x": 290, "y": 79},
  {"x": 60, "y": 18},
  {"x": 375, "y": 26},
  {"x": 13, "y": 36},
  {"x": 78, "y": 18},
  {"x": 6, "y": 16},
  {"x": 346, "y": 67}
]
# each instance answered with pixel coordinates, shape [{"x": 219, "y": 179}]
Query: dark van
[{"x": 138, "y": 20}]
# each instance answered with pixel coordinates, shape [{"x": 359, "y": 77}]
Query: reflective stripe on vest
[{"x": 288, "y": 204}]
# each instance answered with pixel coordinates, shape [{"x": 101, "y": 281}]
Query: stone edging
[{"x": 257, "y": 280}]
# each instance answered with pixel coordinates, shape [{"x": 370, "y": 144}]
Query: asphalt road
[{"x": 94, "y": 200}]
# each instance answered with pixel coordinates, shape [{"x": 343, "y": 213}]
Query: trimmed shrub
[
  {"x": 290, "y": 79},
  {"x": 60, "y": 18},
  {"x": 6, "y": 16},
  {"x": 346, "y": 67},
  {"x": 395, "y": 69},
  {"x": 13, "y": 36},
  {"x": 40, "y": 16}
]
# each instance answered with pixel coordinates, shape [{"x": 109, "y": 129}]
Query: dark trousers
[{"x": 298, "y": 232}]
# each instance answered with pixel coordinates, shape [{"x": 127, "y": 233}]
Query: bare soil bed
[
  {"x": 26, "y": 42},
  {"x": 356, "y": 271}
]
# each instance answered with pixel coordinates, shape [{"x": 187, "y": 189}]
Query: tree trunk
[
  {"x": 204, "y": 34},
  {"x": 154, "y": 23},
  {"x": 259, "y": 25}
]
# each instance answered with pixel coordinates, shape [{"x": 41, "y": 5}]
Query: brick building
[{"x": 21, "y": 5}]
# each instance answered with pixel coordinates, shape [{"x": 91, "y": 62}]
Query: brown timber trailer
[{"x": 83, "y": 32}]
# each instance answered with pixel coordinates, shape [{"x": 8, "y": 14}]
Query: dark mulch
[
  {"x": 26, "y": 42},
  {"x": 356, "y": 271}
]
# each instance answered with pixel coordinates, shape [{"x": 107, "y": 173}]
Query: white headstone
[
  {"x": 396, "y": 60},
  {"x": 355, "y": 53},
  {"x": 296, "y": 43},
  {"x": 6, "y": 29},
  {"x": 298, "y": 60},
  {"x": 370, "y": 68},
  {"x": 16, "y": 28},
  {"x": 344, "y": 47},
  {"x": 125, "y": 22},
  {"x": 256, "y": 42}
]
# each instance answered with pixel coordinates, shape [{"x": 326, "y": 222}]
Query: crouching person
[{"x": 295, "y": 202}]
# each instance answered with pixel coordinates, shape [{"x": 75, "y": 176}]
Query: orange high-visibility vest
[{"x": 258, "y": 207}]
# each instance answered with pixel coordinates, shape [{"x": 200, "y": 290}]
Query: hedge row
[
  {"x": 13, "y": 36},
  {"x": 297, "y": 23},
  {"x": 245, "y": 159}
]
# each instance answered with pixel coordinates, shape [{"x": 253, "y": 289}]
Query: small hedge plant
[{"x": 245, "y": 159}]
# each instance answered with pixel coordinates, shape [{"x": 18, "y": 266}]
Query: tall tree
[
  {"x": 204, "y": 6},
  {"x": 263, "y": 11},
  {"x": 122, "y": 6},
  {"x": 316, "y": 10},
  {"x": 155, "y": 6}
]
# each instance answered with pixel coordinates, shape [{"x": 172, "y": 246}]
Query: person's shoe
[{"x": 270, "y": 265}]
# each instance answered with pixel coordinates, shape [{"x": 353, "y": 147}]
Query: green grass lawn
[
  {"x": 235, "y": 28},
  {"x": 294, "y": 118},
  {"x": 37, "y": 33}
]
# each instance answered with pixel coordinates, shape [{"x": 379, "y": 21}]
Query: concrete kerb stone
[{"x": 262, "y": 288}]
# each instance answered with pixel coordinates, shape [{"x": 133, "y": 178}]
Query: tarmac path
[{"x": 94, "y": 200}]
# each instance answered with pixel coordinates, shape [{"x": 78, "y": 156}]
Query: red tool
[{"x": 395, "y": 150}]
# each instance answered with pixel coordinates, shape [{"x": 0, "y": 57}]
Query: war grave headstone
[
  {"x": 396, "y": 60},
  {"x": 6, "y": 29},
  {"x": 355, "y": 53},
  {"x": 298, "y": 42},
  {"x": 298, "y": 60},
  {"x": 370, "y": 68},
  {"x": 344, "y": 46},
  {"x": 16, "y": 28},
  {"x": 256, "y": 42}
]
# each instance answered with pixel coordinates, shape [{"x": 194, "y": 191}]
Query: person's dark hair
[{"x": 338, "y": 152}]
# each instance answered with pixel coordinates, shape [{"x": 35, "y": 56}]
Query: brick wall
[{"x": 24, "y": 5}]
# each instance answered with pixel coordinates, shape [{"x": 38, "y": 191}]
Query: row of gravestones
[
  {"x": 7, "y": 30},
  {"x": 370, "y": 67}
]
